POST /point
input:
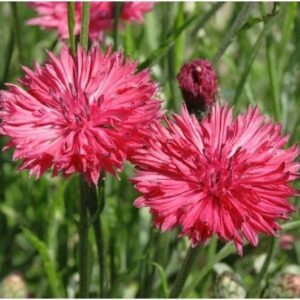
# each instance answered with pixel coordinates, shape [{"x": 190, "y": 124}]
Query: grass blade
[
  {"x": 251, "y": 59},
  {"x": 165, "y": 46},
  {"x": 180, "y": 41},
  {"x": 53, "y": 277},
  {"x": 237, "y": 24},
  {"x": 163, "y": 278}
]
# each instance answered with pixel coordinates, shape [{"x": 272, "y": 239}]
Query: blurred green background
[{"x": 39, "y": 219}]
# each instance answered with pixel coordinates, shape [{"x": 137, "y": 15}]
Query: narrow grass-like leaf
[
  {"x": 272, "y": 72},
  {"x": 151, "y": 30},
  {"x": 56, "y": 215},
  {"x": 224, "y": 252},
  {"x": 291, "y": 13},
  {"x": 250, "y": 61},
  {"x": 163, "y": 278},
  {"x": 255, "y": 289},
  {"x": 235, "y": 27},
  {"x": 180, "y": 41},
  {"x": 128, "y": 41},
  {"x": 53, "y": 276},
  {"x": 291, "y": 226},
  {"x": 164, "y": 47}
]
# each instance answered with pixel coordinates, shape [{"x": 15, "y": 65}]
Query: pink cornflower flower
[
  {"x": 135, "y": 11},
  {"x": 221, "y": 176},
  {"x": 78, "y": 114},
  {"x": 198, "y": 83},
  {"x": 54, "y": 15}
]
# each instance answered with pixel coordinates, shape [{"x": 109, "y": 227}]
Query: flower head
[
  {"x": 222, "y": 176},
  {"x": 54, "y": 15},
  {"x": 198, "y": 83},
  {"x": 78, "y": 114},
  {"x": 135, "y": 11}
]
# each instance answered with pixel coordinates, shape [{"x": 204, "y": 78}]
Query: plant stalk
[
  {"x": 18, "y": 31},
  {"x": 237, "y": 24},
  {"x": 71, "y": 24},
  {"x": 117, "y": 13},
  {"x": 85, "y": 21},
  {"x": 255, "y": 289},
  {"x": 184, "y": 271},
  {"x": 83, "y": 241},
  {"x": 95, "y": 210}
]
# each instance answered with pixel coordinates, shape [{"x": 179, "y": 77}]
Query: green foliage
[{"x": 39, "y": 219}]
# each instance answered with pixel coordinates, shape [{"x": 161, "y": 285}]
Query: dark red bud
[{"x": 198, "y": 83}]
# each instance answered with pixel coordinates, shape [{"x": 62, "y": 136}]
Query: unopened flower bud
[
  {"x": 229, "y": 285},
  {"x": 198, "y": 83},
  {"x": 286, "y": 241},
  {"x": 284, "y": 285},
  {"x": 13, "y": 286}
]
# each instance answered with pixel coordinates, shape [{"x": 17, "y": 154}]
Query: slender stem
[
  {"x": 170, "y": 39},
  {"x": 71, "y": 24},
  {"x": 8, "y": 59},
  {"x": 250, "y": 61},
  {"x": 95, "y": 212},
  {"x": 144, "y": 265},
  {"x": 83, "y": 241},
  {"x": 85, "y": 21},
  {"x": 117, "y": 13},
  {"x": 224, "y": 252},
  {"x": 184, "y": 271},
  {"x": 237, "y": 24},
  {"x": 255, "y": 289},
  {"x": 18, "y": 33}
]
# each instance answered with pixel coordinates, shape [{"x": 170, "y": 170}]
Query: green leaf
[
  {"x": 252, "y": 21},
  {"x": 250, "y": 60},
  {"x": 291, "y": 226},
  {"x": 53, "y": 277},
  {"x": 180, "y": 41},
  {"x": 163, "y": 278},
  {"x": 170, "y": 40}
]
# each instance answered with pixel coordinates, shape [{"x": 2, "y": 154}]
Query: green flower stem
[
  {"x": 85, "y": 21},
  {"x": 95, "y": 212},
  {"x": 71, "y": 24},
  {"x": 117, "y": 13},
  {"x": 255, "y": 289},
  {"x": 184, "y": 271},
  {"x": 236, "y": 26},
  {"x": 227, "y": 250},
  {"x": 8, "y": 59},
  {"x": 173, "y": 36},
  {"x": 18, "y": 31},
  {"x": 250, "y": 61},
  {"x": 223, "y": 253},
  {"x": 83, "y": 240}
]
